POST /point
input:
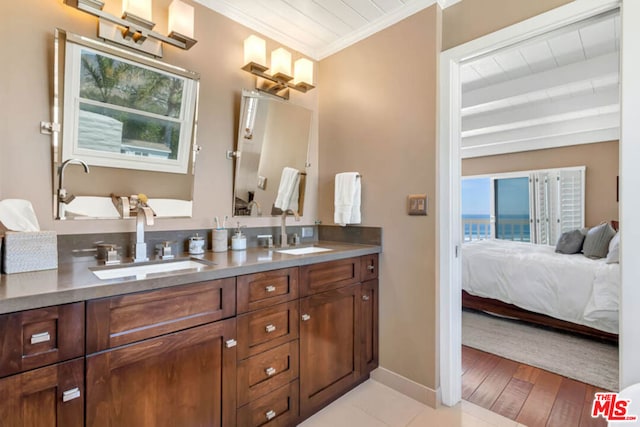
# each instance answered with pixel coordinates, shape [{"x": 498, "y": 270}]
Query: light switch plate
[{"x": 417, "y": 204}]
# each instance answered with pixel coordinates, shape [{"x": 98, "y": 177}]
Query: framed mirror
[
  {"x": 132, "y": 121},
  {"x": 273, "y": 135}
]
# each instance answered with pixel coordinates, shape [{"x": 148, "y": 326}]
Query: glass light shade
[
  {"x": 140, "y": 8},
  {"x": 255, "y": 50},
  {"x": 181, "y": 17},
  {"x": 281, "y": 62},
  {"x": 303, "y": 71}
]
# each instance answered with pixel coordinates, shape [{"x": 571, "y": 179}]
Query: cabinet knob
[
  {"x": 270, "y": 288},
  {"x": 270, "y": 414},
  {"x": 41, "y": 337},
  {"x": 269, "y": 328},
  {"x": 231, "y": 343},
  {"x": 68, "y": 395},
  {"x": 270, "y": 371},
  {"x": 306, "y": 317},
  {"x": 370, "y": 267},
  {"x": 365, "y": 297}
]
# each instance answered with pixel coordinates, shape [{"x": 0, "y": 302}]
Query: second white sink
[
  {"x": 140, "y": 271},
  {"x": 303, "y": 251}
]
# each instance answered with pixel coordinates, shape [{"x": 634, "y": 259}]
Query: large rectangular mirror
[
  {"x": 128, "y": 127},
  {"x": 273, "y": 135}
]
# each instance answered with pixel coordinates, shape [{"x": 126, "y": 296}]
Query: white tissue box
[{"x": 29, "y": 251}]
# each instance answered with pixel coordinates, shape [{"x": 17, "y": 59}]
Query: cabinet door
[
  {"x": 329, "y": 346},
  {"x": 45, "y": 397},
  {"x": 186, "y": 378},
  {"x": 369, "y": 327}
]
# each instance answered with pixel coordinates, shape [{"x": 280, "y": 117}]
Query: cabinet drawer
[
  {"x": 124, "y": 319},
  {"x": 267, "y": 371},
  {"x": 325, "y": 276},
  {"x": 34, "y": 338},
  {"x": 368, "y": 267},
  {"x": 278, "y": 408},
  {"x": 266, "y": 289},
  {"x": 264, "y": 329}
]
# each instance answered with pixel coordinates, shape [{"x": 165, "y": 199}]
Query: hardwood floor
[{"x": 528, "y": 395}]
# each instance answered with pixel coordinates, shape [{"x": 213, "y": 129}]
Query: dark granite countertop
[{"x": 75, "y": 281}]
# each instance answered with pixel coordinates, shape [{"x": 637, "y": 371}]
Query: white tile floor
[{"x": 373, "y": 404}]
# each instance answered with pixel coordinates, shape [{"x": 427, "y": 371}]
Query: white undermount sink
[
  {"x": 303, "y": 251},
  {"x": 141, "y": 271}
]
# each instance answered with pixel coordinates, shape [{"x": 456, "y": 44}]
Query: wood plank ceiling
[
  {"x": 319, "y": 28},
  {"x": 558, "y": 89}
]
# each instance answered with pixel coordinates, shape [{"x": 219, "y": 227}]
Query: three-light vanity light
[
  {"x": 135, "y": 28},
  {"x": 279, "y": 80}
]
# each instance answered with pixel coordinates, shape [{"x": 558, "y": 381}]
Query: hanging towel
[
  {"x": 347, "y": 198},
  {"x": 288, "y": 191}
]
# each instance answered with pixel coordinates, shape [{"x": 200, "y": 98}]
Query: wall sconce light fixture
[
  {"x": 135, "y": 28},
  {"x": 279, "y": 81}
]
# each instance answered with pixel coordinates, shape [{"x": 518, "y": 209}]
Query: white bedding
[{"x": 534, "y": 277}]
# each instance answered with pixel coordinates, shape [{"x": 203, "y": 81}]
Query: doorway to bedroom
[{"x": 539, "y": 164}]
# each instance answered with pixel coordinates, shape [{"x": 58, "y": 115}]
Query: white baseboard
[{"x": 419, "y": 392}]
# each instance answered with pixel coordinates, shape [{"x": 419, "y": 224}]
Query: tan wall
[
  {"x": 471, "y": 19},
  {"x": 378, "y": 117},
  {"x": 26, "y": 76},
  {"x": 601, "y": 161}
]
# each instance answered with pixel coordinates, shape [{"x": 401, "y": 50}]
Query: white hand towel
[
  {"x": 288, "y": 190},
  {"x": 347, "y": 198}
]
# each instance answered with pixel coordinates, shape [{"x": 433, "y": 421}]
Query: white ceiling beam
[
  {"x": 586, "y": 124},
  {"x": 602, "y": 66},
  {"x": 589, "y": 137},
  {"x": 540, "y": 112}
]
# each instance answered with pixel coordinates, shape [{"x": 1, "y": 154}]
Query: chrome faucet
[
  {"x": 283, "y": 227},
  {"x": 144, "y": 216},
  {"x": 250, "y": 206},
  {"x": 63, "y": 197}
]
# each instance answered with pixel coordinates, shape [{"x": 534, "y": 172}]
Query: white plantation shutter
[
  {"x": 543, "y": 207},
  {"x": 570, "y": 211}
]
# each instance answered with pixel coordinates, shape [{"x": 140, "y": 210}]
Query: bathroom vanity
[{"x": 268, "y": 341}]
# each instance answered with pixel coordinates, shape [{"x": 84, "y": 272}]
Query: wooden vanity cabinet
[
  {"x": 41, "y": 361},
  {"x": 163, "y": 357},
  {"x": 338, "y": 330}
]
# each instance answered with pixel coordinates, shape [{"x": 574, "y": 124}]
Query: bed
[{"x": 536, "y": 284}]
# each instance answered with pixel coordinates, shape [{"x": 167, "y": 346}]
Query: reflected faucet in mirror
[
  {"x": 253, "y": 204},
  {"x": 63, "y": 197}
]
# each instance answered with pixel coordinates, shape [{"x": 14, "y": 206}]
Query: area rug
[{"x": 582, "y": 359}]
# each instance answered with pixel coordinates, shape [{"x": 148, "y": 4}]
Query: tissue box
[{"x": 29, "y": 251}]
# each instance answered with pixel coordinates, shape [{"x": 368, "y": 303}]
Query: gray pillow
[
  {"x": 596, "y": 243},
  {"x": 570, "y": 242}
]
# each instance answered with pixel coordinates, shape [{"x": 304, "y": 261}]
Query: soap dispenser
[{"x": 238, "y": 240}]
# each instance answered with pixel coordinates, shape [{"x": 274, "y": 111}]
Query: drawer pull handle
[
  {"x": 231, "y": 343},
  {"x": 41, "y": 337},
  {"x": 68, "y": 395},
  {"x": 269, "y": 328},
  {"x": 365, "y": 297},
  {"x": 305, "y": 317},
  {"x": 270, "y": 414},
  {"x": 270, "y": 288},
  {"x": 270, "y": 371},
  {"x": 370, "y": 267}
]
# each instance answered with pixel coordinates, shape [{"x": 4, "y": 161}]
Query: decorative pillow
[
  {"x": 596, "y": 243},
  {"x": 570, "y": 242},
  {"x": 613, "y": 256}
]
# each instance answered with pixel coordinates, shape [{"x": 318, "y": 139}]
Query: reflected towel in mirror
[
  {"x": 347, "y": 198},
  {"x": 288, "y": 191}
]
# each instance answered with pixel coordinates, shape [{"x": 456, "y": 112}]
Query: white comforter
[{"x": 568, "y": 287}]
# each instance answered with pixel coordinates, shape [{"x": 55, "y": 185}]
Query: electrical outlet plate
[
  {"x": 417, "y": 204},
  {"x": 307, "y": 232}
]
